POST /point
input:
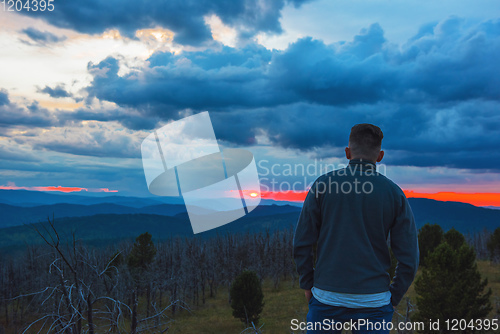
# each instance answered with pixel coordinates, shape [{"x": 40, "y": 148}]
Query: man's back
[
  {"x": 349, "y": 215},
  {"x": 355, "y": 209}
]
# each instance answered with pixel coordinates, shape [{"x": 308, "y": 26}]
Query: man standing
[{"x": 341, "y": 242}]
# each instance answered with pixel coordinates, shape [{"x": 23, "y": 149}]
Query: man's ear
[
  {"x": 348, "y": 153},
  {"x": 380, "y": 156}
]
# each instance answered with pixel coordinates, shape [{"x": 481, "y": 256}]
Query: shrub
[
  {"x": 451, "y": 287},
  {"x": 247, "y": 297},
  {"x": 142, "y": 253},
  {"x": 429, "y": 237},
  {"x": 494, "y": 245},
  {"x": 454, "y": 238}
]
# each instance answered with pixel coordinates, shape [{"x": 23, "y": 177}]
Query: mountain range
[{"x": 109, "y": 219}]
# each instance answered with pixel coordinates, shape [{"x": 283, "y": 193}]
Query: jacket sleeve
[
  {"x": 404, "y": 245},
  {"x": 306, "y": 235}
]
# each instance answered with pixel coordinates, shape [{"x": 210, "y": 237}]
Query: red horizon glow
[
  {"x": 477, "y": 199},
  {"x": 290, "y": 196},
  {"x": 58, "y": 188}
]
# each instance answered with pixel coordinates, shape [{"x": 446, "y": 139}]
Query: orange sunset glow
[{"x": 477, "y": 199}]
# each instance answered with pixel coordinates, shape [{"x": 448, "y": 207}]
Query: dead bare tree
[
  {"x": 66, "y": 286},
  {"x": 253, "y": 329},
  {"x": 84, "y": 292},
  {"x": 405, "y": 318}
]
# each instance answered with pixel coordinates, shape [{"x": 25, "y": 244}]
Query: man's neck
[{"x": 362, "y": 160}]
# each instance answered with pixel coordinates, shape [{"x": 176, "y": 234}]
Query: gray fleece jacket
[{"x": 350, "y": 214}]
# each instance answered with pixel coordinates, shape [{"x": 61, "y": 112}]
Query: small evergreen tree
[
  {"x": 451, "y": 287},
  {"x": 139, "y": 259},
  {"x": 142, "y": 253},
  {"x": 494, "y": 245},
  {"x": 247, "y": 297},
  {"x": 429, "y": 237},
  {"x": 454, "y": 238}
]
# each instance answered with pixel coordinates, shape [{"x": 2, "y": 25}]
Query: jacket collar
[{"x": 364, "y": 163}]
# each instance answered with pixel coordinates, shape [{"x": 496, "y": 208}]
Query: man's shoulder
[
  {"x": 396, "y": 193},
  {"x": 392, "y": 184},
  {"x": 379, "y": 177}
]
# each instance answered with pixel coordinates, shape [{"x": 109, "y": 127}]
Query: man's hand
[{"x": 308, "y": 295}]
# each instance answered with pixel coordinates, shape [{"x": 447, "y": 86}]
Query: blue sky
[{"x": 82, "y": 86}]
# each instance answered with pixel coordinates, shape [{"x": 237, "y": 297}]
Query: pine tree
[
  {"x": 494, "y": 245},
  {"x": 454, "y": 238},
  {"x": 247, "y": 297},
  {"x": 429, "y": 237},
  {"x": 142, "y": 253},
  {"x": 451, "y": 287}
]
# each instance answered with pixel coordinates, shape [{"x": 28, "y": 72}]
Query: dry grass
[{"x": 281, "y": 306}]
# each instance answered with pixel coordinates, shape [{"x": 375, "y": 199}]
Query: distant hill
[
  {"x": 37, "y": 198},
  {"x": 109, "y": 222},
  {"x": 462, "y": 216},
  {"x": 29, "y": 198},
  {"x": 16, "y": 215},
  {"x": 112, "y": 228},
  {"x": 492, "y": 207}
]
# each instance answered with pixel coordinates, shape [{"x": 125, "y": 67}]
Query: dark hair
[{"x": 365, "y": 141}]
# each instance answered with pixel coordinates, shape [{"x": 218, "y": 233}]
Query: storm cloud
[
  {"x": 446, "y": 63},
  {"x": 41, "y": 38},
  {"x": 186, "y": 18},
  {"x": 57, "y": 92},
  {"x": 436, "y": 97},
  {"x": 31, "y": 115}
]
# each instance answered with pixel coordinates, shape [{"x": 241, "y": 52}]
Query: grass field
[{"x": 284, "y": 304}]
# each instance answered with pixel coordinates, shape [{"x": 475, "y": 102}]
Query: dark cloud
[
  {"x": 42, "y": 37},
  {"x": 11, "y": 152},
  {"x": 464, "y": 135},
  {"x": 4, "y": 97},
  {"x": 184, "y": 17},
  {"x": 200, "y": 80},
  {"x": 128, "y": 118},
  {"x": 95, "y": 139},
  {"x": 57, "y": 92},
  {"x": 98, "y": 146},
  {"x": 32, "y": 115},
  {"x": 354, "y": 72},
  {"x": 436, "y": 97},
  {"x": 71, "y": 171},
  {"x": 448, "y": 63},
  {"x": 21, "y": 126}
]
